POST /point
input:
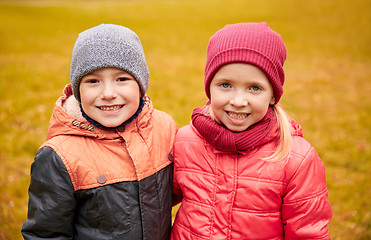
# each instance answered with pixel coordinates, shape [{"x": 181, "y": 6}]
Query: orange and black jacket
[{"x": 93, "y": 183}]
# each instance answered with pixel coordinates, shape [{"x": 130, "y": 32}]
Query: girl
[
  {"x": 104, "y": 172},
  {"x": 242, "y": 169}
]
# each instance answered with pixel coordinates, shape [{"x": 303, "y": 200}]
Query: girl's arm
[
  {"x": 51, "y": 199},
  {"x": 306, "y": 210}
]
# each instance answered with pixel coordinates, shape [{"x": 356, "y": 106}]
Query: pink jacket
[{"x": 239, "y": 196}]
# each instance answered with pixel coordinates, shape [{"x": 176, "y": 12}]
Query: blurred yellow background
[{"x": 327, "y": 88}]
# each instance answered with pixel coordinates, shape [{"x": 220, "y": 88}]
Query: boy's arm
[
  {"x": 51, "y": 199},
  {"x": 306, "y": 210},
  {"x": 177, "y": 193}
]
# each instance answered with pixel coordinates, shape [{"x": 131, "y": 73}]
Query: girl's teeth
[
  {"x": 112, "y": 108},
  {"x": 238, "y": 115}
]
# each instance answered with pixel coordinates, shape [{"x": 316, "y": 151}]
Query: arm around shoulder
[
  {"x": 51, "y": 199},
  {"x": 184, "y": 135},
  {"x": 306, "y": 210}
]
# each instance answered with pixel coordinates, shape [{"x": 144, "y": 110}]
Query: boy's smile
[
  {"x": 110, "y": 96},
  {"x": 240, "y": 94},
  {"x": 111, "y": 108}
]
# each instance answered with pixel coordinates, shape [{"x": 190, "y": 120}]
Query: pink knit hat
[{"x": 253, "y": 43}]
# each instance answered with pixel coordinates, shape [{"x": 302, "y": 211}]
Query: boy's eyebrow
[{"x": 90, "y": 74}]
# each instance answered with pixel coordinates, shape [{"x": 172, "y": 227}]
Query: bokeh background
[{"x": 327, "y": 86}]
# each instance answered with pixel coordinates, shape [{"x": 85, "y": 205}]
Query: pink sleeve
[{"x": 306, "y": 210}]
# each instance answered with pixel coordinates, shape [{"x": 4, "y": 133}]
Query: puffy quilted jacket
[
  {"x": 239, "y": 196},
  {"x": 90, "y": 183}
]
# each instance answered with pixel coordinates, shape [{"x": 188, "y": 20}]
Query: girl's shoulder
[
  {"x": 188, "y": 133},
  {"x": 299, "y": 145},
  {"x": 303, "y": 155}
]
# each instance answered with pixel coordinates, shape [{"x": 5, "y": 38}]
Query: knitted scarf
[
  {"x": 97, "y": 124},
  {"x": 224, "y": 139}
]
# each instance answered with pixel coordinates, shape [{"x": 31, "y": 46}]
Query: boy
[{"x": 105, "y": 170}]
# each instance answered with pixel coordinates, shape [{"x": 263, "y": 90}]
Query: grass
[{"x": 327, "y": 85}]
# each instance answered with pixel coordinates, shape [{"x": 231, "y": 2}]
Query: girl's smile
[{"x": 235, "y": 115}]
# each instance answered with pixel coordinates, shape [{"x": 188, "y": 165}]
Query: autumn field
[{"x": 327, "y": 88}]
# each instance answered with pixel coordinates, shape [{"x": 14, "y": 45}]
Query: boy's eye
[
  {"x": 91, "y": 81},
  {"x": 225, "y": 85},
  {"x": 122, "y": 79}
]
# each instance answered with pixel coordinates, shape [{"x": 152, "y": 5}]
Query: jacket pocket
[{"x": 105, "y": 208}]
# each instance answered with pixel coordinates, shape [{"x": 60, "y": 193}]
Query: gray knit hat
[{"x": 108, "y": 45}]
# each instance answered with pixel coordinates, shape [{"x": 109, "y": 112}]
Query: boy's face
[
  {"x": 110, "y": 96},
  {"x": 240, "y": 94}
]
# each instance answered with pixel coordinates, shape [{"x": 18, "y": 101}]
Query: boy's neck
[{"x": 97, "y": 124}]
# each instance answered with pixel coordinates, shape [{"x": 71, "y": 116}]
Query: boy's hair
[{"x": 108, "y": 45}]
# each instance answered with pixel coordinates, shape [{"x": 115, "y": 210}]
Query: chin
[
  {"x": 111, "y": 125},
  {"x": 237, "y": 129}
]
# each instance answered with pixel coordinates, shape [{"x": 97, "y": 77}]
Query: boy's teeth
[
  {"x": 237, "y": 115},
  {"x": 111, "y": 108}
]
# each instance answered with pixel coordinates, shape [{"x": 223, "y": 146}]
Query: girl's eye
[
  {"x": 225, "y": 85},
  {"x": 255, "y": 88}
]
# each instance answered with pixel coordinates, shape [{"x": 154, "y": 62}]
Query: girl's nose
[
  {"x": 239, "y": 100},
  {"x": 108, "y": 91}
]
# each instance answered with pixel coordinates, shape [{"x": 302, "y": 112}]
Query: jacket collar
[{"x": 67, "y": 119}]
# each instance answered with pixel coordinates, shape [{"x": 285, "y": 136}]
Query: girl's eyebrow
[{"x": 221, "y": 79}]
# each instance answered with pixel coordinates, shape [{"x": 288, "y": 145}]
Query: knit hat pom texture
[
  {"x": 108, "y": 45},
  {"x": 252, "y": 43}
]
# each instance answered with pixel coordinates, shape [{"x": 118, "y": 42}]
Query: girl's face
[
  {"x": 240, "y": 95},
  {"x": 110, "y": 96}
]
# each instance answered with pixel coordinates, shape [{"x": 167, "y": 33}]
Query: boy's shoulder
[
  {"x": 161, "y": 115},
  {"x": 162, "y": 119},
  {"x": 155, "y": 125},
  {"x": 63, "y": 144}
]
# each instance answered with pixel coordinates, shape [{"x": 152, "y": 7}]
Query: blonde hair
[{"x": 284, "y": 144}]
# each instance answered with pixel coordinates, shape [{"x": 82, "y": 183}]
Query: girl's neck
[{"x": 224, "y": 139}]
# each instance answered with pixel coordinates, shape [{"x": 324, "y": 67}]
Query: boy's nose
[{"x": 108, "y": 92}]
